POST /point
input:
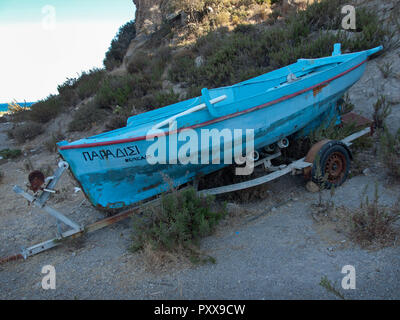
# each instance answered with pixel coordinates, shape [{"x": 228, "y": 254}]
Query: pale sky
[{"x": 44, "y": 42}]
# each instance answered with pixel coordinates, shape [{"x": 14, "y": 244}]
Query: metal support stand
[{"x": 40, "y": 202}]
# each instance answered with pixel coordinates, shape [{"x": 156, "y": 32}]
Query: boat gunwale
[{"x": 212, "y": 121}]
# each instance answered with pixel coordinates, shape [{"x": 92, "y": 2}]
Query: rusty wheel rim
[{"x": 335, "y": 167}]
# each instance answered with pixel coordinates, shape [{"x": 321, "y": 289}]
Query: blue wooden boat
[{"x": 113, "y": 168}]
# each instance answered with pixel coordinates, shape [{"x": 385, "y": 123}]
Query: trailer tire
[{"x": 332, "y": 165}]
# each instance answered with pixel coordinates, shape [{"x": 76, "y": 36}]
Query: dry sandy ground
[{"x": 273, "y": 250}]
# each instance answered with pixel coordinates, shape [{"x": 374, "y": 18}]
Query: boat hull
[{"x": 117, "y": 174}]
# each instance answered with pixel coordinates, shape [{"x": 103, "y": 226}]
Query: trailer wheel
[{"x": 332, "y": 165}]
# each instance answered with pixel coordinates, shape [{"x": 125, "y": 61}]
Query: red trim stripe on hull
[{"x": 232, "y": 115}]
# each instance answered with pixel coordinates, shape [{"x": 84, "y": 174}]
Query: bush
[
  {"x": 373, "y": 224},
  {"x": 222, "y": 18},
  {"x": 10, "y": 153},
  {"x": 390, "y": 146},
  {"x": 156, "y": 99},
  {"x": 51, "y": 144},
  {"x": 181, "y": 221},
  {"x": 67, "y": 95},
  {"x": 86, "y": 116},
  {"x": 139, "y": 62},
  {"x": 182, "y": 67},
  {"x": 119, "y": 45},
  {"x": 150, "y": 67},
  {"x": 25, "y": 132},
  {"x": 159, "y": 62},
  {"x": 245, "y": 53},
  {"x": 14, "y": 108},
  {"x": 118, "y": 90},
  {"x": 165, "y": 98},
  {"x": 17, "y": 112},
  {"x": 89, "y": 82},
  {"x": 45, "y": 110},
  {"x": 381, "y": 112},
  {"x": 115, "y": 90},
  {"x": 117, "y": 121}
]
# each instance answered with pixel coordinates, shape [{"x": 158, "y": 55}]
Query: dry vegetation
[
  {"x": 173, "y": 230},
  {"x": 390, "y": 150},
  {"x": 372, "y": 225}
]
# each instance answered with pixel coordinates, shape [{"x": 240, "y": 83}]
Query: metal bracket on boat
[
  {"x": 267, "y": 162},
  {"x": 210, "y": 103},
  {"x": 336, "y": 49},
  {"x": 40, "y": 202}
]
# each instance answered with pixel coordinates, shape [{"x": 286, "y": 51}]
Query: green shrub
[
  {"x": 86, "y": 116},
  {"x": 45, "y": 110},
  {"x": 246, "y": 52},
  {"x": 183, "y": 67},
  {"x": 182, "y": 219},
  {"x": 67, "y": 95},
  {"x": 156, "y": 99},
  {"x": 373, "y": 224},
  {"x": 327, "y": 284},
  {"x": 51, "y": 143},
  {"x": 89, "y": 82},
  {"x": 346, "y": 105},
  {"x": 165, "y": 98},
  {"x": 117, "y": 121},
  {"x": 26, "y": 131},
  {"x": 390, "y": 151},
  {"x": 115, "y": 90},
  {"x": 159, "y": 62},
  {"x": 119, "y": 45},
  {"x": 382, "y": 110},
  {"x": 245, "y": 28},
  {"x": 10, "y": 153},
  {"x": 139, "y": 62},
  {"x": 20, "y": 116},
  {"x": 118, "y": 90}
]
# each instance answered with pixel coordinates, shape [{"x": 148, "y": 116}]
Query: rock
[
  {"x": 233, "y": 208},
  {"x": 172, "y": 15},
  {"x": 366, "y": 171},
  {"x": 312, "y": 187},
  {"x": 148, "y": 16},
  {"x": 199, "y": 61}
]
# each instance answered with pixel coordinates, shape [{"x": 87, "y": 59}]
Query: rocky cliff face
[
  {"x": 149, "y": 14},
  {"x": 149, "y": 17}
]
